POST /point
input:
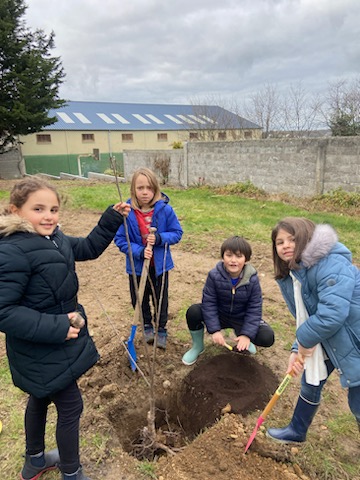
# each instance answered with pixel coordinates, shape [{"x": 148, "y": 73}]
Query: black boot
[
  {"x": 297, "y": 429},
  {"x": 78, "y": 475},
  {"x": 35, "y": 466}
]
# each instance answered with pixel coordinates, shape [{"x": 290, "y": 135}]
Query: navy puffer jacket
[
  {"x": 241, "y": 304},
  {"x": 38, "y": 287}
]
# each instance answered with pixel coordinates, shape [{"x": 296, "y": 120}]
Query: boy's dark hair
[{"x": 236, "y": 244}]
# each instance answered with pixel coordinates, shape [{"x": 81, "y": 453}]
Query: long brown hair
[
  {"x": 302, "y": 230},
  {"x": 154, "y": 184}
]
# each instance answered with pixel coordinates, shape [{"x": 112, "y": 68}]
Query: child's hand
[
  {"x": 72, "y": 333},
  {"x": 243, "y": 342},
  {"x": 218, "y": 338},
  {"x": 148, "y": 252},
  {"x": 123, "y": 208},
  {"x": 296, "y": 364},
  {"x": 76, "y": 320},
  {"x": 151, "y": 239}
]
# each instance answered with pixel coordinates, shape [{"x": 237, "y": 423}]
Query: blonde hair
[
  {"x": 154, "y": 184},
  {"x": 302, "y": 230}
]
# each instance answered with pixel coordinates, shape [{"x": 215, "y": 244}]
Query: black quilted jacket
[{"x": 38, "y": 287}]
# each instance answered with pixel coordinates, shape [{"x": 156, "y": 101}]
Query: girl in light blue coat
[{"x": 321, "y": 287}]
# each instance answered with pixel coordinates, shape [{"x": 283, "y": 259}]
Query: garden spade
[
  {"x": 131, "y": 348},
  {"x": 285, "y": 382}
]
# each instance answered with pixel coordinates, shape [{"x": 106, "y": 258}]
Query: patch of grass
[
  {"x": 147, "y": 468},
  {"x": 96, "y": 442},
  {"x": 339, "y": 198},
  {"x": 12, "y": 439}
]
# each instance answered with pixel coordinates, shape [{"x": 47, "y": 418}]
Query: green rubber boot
[{"x": 197, "y": 348}]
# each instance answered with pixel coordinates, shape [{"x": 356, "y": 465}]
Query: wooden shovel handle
[
  {"x": 285, "y": 382},
  {"x": 143, "y": 278}
]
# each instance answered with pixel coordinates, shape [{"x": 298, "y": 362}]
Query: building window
[
  {"x": 43, "y": 138},
  {"x": 222, "y": 136},
  {"x": 88, "y": 137},
  {"x": 194, "y": 136},
  {"x": 162, "y": 137},
  {"x": 127, "y": 137},
  {"x": 248, "y": 134}
]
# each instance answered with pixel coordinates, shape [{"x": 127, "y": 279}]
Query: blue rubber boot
[
  {"x": 197, "y": 348},
  {"x": 36, "y": 465},
  {"x": 297, "y": 429},
  {"x": 78, "y": 475}
]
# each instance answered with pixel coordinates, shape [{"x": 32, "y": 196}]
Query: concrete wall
[
  {"x": 11, "y": 165},
  {"x": 300, "y": 167}
]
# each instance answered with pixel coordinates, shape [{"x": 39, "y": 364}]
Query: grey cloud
[{"x": 157, "y": 50}]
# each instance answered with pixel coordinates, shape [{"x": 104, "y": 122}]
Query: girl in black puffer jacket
[{"x": 38, "y": 304}]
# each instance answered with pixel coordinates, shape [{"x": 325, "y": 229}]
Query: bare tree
[
  {"x": 342, "y": 107},
  {"x": 300, "y": 111},
  {"x": 263, "y": 108}
]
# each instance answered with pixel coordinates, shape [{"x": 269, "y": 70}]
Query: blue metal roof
[{"x": 142, "y": 116}]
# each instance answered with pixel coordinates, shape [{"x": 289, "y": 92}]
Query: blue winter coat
[
  {"x": 168, "y": 231},
  {"x": 38, "y": 287},
  {"x": 241, "y": 304},
  {"x": 331, "y": 294}
]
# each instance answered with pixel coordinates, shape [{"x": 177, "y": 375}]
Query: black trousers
[
  {"x": 264, "y": 338},
  {"x": 69, "y": 406},
  {"x": 148, "y": 316}
]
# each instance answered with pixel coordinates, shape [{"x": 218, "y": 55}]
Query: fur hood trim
[
  {"x": 322, "y": 241},
  {"x": 10, "y": 224}
]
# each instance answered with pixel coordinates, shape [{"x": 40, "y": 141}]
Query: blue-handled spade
[{"x": 131, "y": 348}]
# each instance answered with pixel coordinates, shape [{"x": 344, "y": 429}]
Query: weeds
[
  {"x": 147, "y": 468},
  {"x": 339, "y": 198}
]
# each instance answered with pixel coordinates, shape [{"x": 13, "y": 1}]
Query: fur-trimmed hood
[
  {"x": 320, "y": 245},
  {"x": 10, "y": 224}
]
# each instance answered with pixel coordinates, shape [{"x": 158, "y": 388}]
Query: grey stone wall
[
  {"x": 11, "y": 165},
  {"x": 299, "y": 167}
]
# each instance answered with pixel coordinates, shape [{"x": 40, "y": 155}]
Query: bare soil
[{"x": 206, "y": 412}]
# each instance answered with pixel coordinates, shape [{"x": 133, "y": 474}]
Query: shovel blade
[
  {"x": 131, "y": 348},
  {"x": 252, "y": 436}
]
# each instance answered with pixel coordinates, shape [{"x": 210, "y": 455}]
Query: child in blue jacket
[
  {"x": 150, "y": 208},
  {"x": 231, "y": 298},
  {"x": 321, "y": 287}
]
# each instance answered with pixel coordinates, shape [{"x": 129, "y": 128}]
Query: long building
[{"x": 86, "y": 135}]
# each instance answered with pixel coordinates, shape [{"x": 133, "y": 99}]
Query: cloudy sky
[{"x": 180, "y": 51}]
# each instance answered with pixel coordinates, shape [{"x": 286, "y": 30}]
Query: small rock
[
  {"x": 109, "y": 391},
  {"x": 166, "y": 384},
  {"x": 226, "y": 409}
]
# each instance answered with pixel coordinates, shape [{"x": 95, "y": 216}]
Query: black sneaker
[
  {"x": 149, "y": 335},
  {"x": 161, "y": 340}
]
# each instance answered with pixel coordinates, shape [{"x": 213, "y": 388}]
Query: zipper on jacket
[
  {"x": 232, "y": 298},
  {"x": 53, "y": 241}
]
